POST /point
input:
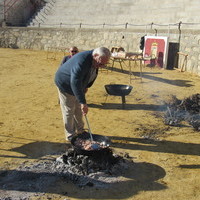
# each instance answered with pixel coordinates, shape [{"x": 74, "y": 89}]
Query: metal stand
[{"x": 123, "y": 101}]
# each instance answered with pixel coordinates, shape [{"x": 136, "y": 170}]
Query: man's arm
[
  {"x": 77, "y": 76},
  {"x": 66, "y": 58}
]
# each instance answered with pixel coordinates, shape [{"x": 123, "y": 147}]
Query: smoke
[{"x": 187, "y": 110}]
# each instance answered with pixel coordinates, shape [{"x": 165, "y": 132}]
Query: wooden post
[{"x": 184, "y": 60}]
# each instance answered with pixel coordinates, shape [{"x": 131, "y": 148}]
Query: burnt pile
[
  {"x": 84, "y": 164},
  {"x": 187, "y": 110},
  {"x": 98, "y": 169}
]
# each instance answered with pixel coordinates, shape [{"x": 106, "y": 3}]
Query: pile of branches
[{"x": 187, "y": 110}]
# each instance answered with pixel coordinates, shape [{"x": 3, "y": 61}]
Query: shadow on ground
[
  {"x": 149, "y": 76},
  {"x": 139, "y": 177},
  {"x": 164, "y": 146},
  {"x": 38, "y": 149},
  {"x": 126, "y": 106}
]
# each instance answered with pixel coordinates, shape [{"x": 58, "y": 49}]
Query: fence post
[
  {"x": 126, "y": 25},
  {"x": 4, "y": 10},
  {"x": 179, "y": 25},
  {"x": 80, "y": 25},
  {"x": 152, "y": 25}
]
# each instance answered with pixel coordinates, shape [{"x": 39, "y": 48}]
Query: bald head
[{"x": 101, "y": 56}]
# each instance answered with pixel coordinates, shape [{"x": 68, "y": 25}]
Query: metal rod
[{"x": 89, "y": 128}]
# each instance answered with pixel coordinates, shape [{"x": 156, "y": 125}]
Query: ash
[
  {"x": 30, "y": 179},
  {"x": 187, "y": 110}
]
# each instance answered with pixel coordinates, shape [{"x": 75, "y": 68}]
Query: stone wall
[{"x": 57, "y": 39}]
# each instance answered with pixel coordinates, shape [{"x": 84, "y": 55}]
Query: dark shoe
[
  {"x": 69, "y": 138},
  {"x": 84, "y": 132}
]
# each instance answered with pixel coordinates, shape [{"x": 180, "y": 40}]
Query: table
[{"x": 122, "y": 62}]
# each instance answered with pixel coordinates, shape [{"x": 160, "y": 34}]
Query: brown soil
[{"x": 166, "y": 162}]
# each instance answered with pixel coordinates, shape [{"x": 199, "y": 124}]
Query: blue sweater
[{"x": 73, "y": 76}]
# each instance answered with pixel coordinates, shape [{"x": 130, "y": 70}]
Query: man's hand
[{"x": 84, "y": 109}]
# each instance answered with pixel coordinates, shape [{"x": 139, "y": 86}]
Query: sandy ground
[{"x": 166, "y": 159}]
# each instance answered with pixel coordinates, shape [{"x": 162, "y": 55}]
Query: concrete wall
[
  {"x": 19, "y": 12},
  {"x": 115, "y": 12},
  {"x": 56, "y": 39},
  {"x": 1, "y": 11}
]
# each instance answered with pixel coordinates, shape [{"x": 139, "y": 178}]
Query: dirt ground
[{"x": 166, "y": 158}]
